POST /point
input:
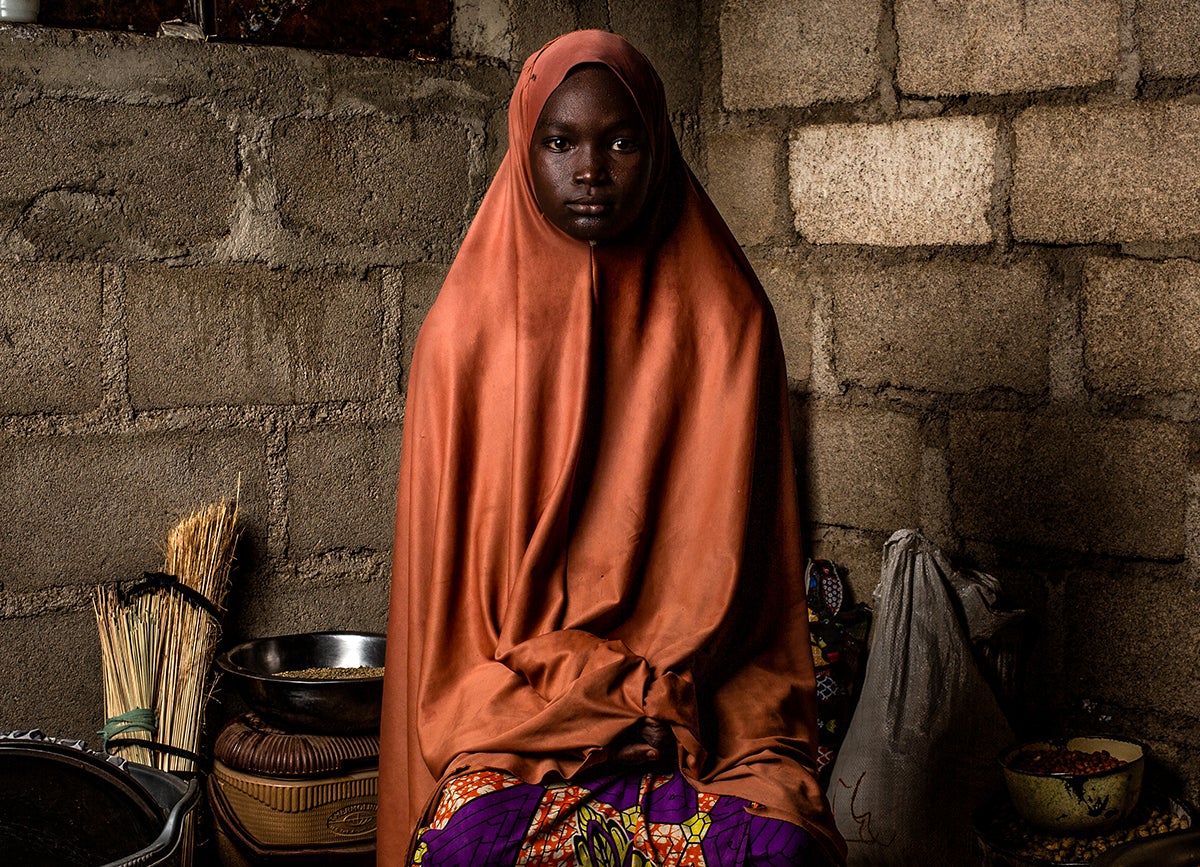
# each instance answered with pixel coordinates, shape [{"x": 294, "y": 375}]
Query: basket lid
[{"x": 250, "y": 745}]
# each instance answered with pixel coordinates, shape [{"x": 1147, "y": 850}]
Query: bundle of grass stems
[{"x": 157, "y": 647}]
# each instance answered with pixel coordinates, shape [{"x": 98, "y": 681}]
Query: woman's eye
[
  {"x": 556, "y": 143},
  {"x": 625, "y": 145}
]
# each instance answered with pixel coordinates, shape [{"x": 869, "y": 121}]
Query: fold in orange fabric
[{"x": 597, "y": 518}]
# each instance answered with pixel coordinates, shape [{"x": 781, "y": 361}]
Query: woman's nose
[{"x": 591, "y": 169}]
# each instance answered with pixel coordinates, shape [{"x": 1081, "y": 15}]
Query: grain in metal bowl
[{"x": 311, "y": 681}]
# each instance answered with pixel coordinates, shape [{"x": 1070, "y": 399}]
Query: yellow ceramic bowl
[{"x": 1071, "y": 803}]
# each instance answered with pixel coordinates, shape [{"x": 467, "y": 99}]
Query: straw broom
[
  {"x": 129, "y": 648},
  {"x": 199, "y": 554},
  {"x": 157, "y": 648}
]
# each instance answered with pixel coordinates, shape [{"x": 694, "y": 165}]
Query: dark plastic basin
[{"x": 63, "y": 805}]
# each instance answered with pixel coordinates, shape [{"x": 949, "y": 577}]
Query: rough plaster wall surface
[
  {"x": 86, "y": 508},
  {"x": 536, "y": 22},
  {"x": 483, "y": 27},
  {"x": 1005, "y": 46},
  {"x": 1112, "y": 486},
  {"x": 669, "y": 35},
  {"x": 380, "y": 183},
  {"x": 213, "y": 263},
  {"x": 791, "y": 297},
  {"x": 340, "y": 488},
  {"x": 114, "y": 185},
  {"x": 55, "y": 647},
  {"x": 881, "y": 448},
  {"x": 1104, "y": 667},
  {"x": 240, "y": 335}
]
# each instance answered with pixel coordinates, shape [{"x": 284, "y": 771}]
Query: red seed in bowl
[{"x": 1060, "y": 760}]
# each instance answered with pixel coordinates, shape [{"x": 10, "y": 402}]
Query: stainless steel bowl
[{"x": 334, "y": 706}]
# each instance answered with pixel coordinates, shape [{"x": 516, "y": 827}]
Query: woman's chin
[{"x": 594, "y": 229}]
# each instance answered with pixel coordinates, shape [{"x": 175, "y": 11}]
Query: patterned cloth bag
[{"x": 839, "y": 647}]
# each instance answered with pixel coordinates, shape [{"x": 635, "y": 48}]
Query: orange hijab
[{"x": 597, "y": 514}]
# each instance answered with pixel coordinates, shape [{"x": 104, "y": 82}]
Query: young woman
[{"x": 598, "y": 644}]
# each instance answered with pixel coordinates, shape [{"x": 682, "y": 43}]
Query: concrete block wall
[
  {"x": 976, "y": 222},
  {"x": 979, "y": 225},
  {"x": 214, "y": 260}
]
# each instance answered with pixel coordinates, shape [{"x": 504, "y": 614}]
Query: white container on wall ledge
[{"x": 19, "y": 10}]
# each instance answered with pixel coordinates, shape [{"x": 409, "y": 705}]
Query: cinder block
[
  {"x": 342, "y": 488},
  {"x": 911, "y": 182},
  {"x": 862, "y": 469},
  {"x": 536, "y": 22},
  {"x": 97, "y": 508},
  {"x": 1005, "y": 46},
  {"x": 365, "y": 181},
  {"x": 246, "y": 334},
  {"x": 1073, "y": 482},
  {"x": 50, "y": 337},
  {"x": 669, "y": 35},
  {"x": 80, "y": 179},
  {"x": 1168, "y": 38},
  {"x": 1118, "y": 619},
  {"x": 943, "y": 325},
  {"x": 255, "y": 82},
  {"x": 135, "y": 67},
  {"x": 744, "y": 168},
  {"x": 315, "y": 600},
  {"x": 1106, "y": 174},
  {"x": 791, "y": 297},
  {"x": 798, "y": 52},
  {"x": 53, "y": 680},
  {"x": 1141, "y": 325},
  {"x": 340, "y": 85}
]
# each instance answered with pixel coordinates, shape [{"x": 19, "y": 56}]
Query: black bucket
[{"x": 63, "y": 805}]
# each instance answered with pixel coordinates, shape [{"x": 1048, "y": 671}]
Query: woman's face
[{"x": 590, "y": 157}]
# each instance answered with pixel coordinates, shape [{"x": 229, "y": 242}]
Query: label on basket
[{"x": 355, "y": 820}]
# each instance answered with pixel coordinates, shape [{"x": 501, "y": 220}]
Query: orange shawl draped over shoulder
[{"x": 597, "y": 514}]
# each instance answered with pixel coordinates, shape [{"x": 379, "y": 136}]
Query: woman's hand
[{"x": 645, "y": 742}]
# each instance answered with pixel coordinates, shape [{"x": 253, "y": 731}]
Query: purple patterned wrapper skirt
[{"x": 492, "y": 819}]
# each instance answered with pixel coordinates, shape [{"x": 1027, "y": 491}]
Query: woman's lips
[{"x": 589, "y": 208}]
